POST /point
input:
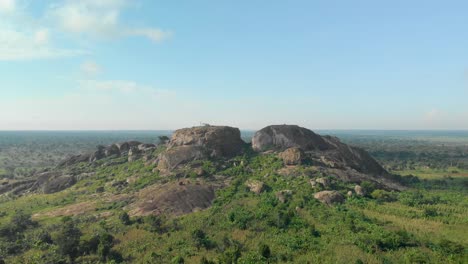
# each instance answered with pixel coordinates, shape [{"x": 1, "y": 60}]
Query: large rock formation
[
  {"x": 198, "y": 143},
  {"x": 220, "y": 141},
  {"x": 282, "y": 137},
  {"x": 114, "y": 150},
  {"x": 328, "y": 153}
]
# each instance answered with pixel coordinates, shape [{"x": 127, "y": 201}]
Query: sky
[{"x": 147, "y": 64}]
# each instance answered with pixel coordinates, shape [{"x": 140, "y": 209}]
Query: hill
[{"x": 205, "y": 196}]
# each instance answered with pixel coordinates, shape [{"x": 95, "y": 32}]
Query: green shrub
[
  {"x": 178, "y": 260},
  {"x": 383, "y": 196},
  {"x": 450, "y": 248},
  {"x": 367, "y": 187},
  {"x": 68, "y": 239},
  {"x": 264, "y": 251},
  {"x": 125, "y": 218}
]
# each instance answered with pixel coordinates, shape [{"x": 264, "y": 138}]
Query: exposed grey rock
[
  {"x": 284, "y": 195},
  {"x": 145, "y": 147},
  {"x": 350, "y": 164},
  {"x": 112, "y": 150},
  {"x": 196, "y": 143},
  {"x": 255, "y": 186},
  {"x": 327, "y": 150},
  {"x": 282, "y": 137},
  {"x": 176, "y": 156},
  {"x": 219, "y": 141},
  {"x": 313, "y": 183},
  {"x": 325, "y": 182},
  {"x": 125, "y": 146},
  {"x": 134, "y": 154},
  {"x": 56, "y": 184},
  {"x": 359, "y": 190},
  {"x": 292, "y": 156},
  {"x": 329, "y": 197},
  {"x": 173, "y": 198}
]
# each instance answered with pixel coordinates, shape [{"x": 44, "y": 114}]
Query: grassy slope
[{"x": 299, "y": 231}]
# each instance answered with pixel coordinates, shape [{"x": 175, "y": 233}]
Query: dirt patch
[{"x": 69, "y": 210}]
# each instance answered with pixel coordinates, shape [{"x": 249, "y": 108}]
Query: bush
[
  {"x": 201, "y": 240},
  {"x": 125, "y": 219},
  {"x": 367, "y": 187},
  {"x": 264, "y": 251},
  {"x": 21, "y": 221},
  {"x": 383, "y": 196},
  {"x": 417, "y": 198},
  {"x": 450, "y": 248},
  {"x": 178, "y": 260},
  {"x": 430, "y": 212},
  {"x": 68, "y": 239}
]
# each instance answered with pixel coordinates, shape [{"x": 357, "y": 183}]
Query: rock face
[
  {"x": 292, "y": 156},
  {"x": 179, "y": 155},
  {"x": 327, "y": 151},
  {"x": 102, "y": 152},
  {"x": 282, "y": 137},
  {"x": 174, "y": 198},
  {"x": 220, "y": 141},
  {"x": 329, "y": 197},
  {"x": 197, "y": 143},
  {"x": 255, "y": 186}
]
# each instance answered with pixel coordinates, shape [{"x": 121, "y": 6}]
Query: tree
[
  {"x": 68, "y": 239},
  {"x": 105, "y": 244},
  {"x": 21, "y": 221},
  {"x": 265, "y": 251},
  {"x": 163, "y": 139},
  {"x": 125, "y": 219}
]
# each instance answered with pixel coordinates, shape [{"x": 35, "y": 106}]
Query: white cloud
[
  {"x": 90, "y": 68},
  {"x": 41, "y": 37},
  {"x": 17, "y": 45},
  {"x": 100, "y": 19},
  {"x": 156, "y": 35},
  {"x": 24, "y": 37},
  {"x": 432, "y": 115},
  {"x": 90, "y": 17},
  {"x": 125, "y": 87},
  {"x": 7, "y": 6}
]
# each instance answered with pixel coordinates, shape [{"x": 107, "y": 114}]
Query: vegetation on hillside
[{"x": 90, "y": 222}]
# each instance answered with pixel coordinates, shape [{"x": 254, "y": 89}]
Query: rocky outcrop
[
  {"x": 329, "y": 197},
  {"x": 292, "y": 156},
  {"x": 348, "y": 163},
  {"x": 282, "y": 137},
  {"x": 57, "y": 184},
  {"x": 255, "y": 186},
  {"x": 323, "y": 182},
  {"x": 359, "y": 190},
  {"x": 114, "y": 150},
  {"x": 197, "y": 143},
  {"x": 174, "y": 157},
  {"x": 174, "y": 198},
  {"x": 219, "y": 141},
  {"x": 284, "y": 195}
]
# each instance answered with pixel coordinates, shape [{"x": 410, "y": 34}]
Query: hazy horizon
[{"x": 146, "y": 65}]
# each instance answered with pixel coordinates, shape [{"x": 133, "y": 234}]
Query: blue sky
[{"x": 123, "y": 64}]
